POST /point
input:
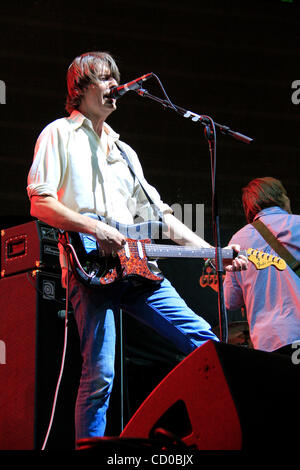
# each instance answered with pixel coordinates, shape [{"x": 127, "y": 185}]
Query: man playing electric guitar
[{"x": 79, "y": 167}]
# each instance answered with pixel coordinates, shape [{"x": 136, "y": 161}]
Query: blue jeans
[{"x": 159, "y": 307}]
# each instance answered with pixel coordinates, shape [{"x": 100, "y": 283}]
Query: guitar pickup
[
  {"x": 127, "y": 251},
  {"x": 140, "y": 250}
]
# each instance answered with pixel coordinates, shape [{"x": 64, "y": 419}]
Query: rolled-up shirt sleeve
[{"x": 47, "y": 170}]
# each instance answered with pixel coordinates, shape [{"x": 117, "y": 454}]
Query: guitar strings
[{"x": 154, "y": 249}]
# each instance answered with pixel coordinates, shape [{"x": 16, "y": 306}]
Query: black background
[{"x": 234, "y": 61}]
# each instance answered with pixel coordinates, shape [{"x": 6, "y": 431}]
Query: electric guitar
[{"x": 131, "y": 261}]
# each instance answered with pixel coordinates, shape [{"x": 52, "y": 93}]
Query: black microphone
[{"x": 118, "y": 91}]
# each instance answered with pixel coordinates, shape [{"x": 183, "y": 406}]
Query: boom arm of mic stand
[{"x": 195, "y": 117}]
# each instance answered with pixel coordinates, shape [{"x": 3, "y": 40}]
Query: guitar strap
[
  {"x": 277, "y": 246},
  {"x": 125, "y": 156}
]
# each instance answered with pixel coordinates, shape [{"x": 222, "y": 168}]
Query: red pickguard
[{"x": 128, "y": 263}]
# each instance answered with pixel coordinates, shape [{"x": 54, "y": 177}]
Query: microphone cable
[{"x": 165, "y": 93}]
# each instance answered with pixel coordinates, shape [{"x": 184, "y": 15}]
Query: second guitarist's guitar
[{"x": 96, "y": 270}]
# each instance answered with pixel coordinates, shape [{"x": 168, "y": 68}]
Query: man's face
[{"x": 96, "y": 102}]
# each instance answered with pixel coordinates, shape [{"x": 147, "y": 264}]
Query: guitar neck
[{"x": 170, "y": 251}]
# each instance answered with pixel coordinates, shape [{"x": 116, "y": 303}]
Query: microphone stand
[{"x": 210, "y": 135}]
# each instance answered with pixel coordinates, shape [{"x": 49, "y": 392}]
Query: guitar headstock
[{"x": 263, "y": 260}]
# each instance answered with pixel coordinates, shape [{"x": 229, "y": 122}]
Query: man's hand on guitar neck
[
  {"x": 181, "y": 234},
  {"x": 240, "y": 263}
]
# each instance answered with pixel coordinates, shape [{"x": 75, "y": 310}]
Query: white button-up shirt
[{"x": 88, "y": 174}]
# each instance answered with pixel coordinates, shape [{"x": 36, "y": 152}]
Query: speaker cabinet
[
  {"x": 194, "y": 403},
  {"x": 225, "y": 397},
  {"x": 32, "y": 332}
]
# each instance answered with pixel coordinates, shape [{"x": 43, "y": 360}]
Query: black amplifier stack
[{"x": 32, "y": 335}]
